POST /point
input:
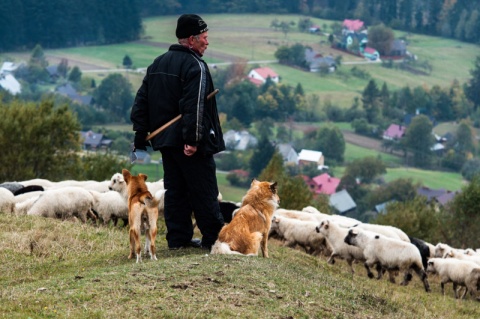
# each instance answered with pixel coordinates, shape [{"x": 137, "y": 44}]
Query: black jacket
[{"x": 178, "y": 82}]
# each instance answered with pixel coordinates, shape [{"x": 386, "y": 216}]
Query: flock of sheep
[
  {"x": 385, "y": 248},
  {"x": 83, "y": 200}
]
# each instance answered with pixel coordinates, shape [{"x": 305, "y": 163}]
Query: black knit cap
[{"x": 190, "y": 24}]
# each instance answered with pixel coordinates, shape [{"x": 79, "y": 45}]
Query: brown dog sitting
[
  {"x": 142, "y": 209},
  {"x": 248, "y": 230}
]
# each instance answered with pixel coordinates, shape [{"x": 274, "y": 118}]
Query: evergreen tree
[
  {"x": 261, "y": 156},
  {"x": 371, "y": 101},
  {"x": 127, "y": 62},
  {"x": 75, "y": 75},
  {"x": 419, "y": 140},
  {"x": 472, "y": 88},
  {"x": 464, "y": 217},
  {"x": 293, "y": 191}
]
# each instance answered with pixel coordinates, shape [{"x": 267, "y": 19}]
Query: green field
[{"x": 451, "y": 60}]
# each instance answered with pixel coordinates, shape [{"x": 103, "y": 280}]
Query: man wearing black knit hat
[{"x": 178, "y": 82}]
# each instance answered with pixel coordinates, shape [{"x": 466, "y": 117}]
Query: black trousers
[{"x": 191, "y": 185}]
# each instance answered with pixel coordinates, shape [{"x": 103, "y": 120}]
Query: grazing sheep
[
  {"x": 462, "y": 256},
  {"x": 11, "y": 186},
  {"x": 22, "y": 197},
  {"x": 423, "y": 248},
  {"x": 296, "y": 214},
  {"x": 471, "y": 252},
  {"x": 387, "y": 231},
  {"x": 22, "y": 207},
  {"x": 342, "y": 221},
  {"x": 28, "y": 189},
  {"x": 64, "y": 203},
  {"x": 431, "y": 247},
  {"x": 459, "y": 272},
  {"x": 392, "y": 254},
  {"x": 7, "y": 201},
  {"x": 442, "y": 249},
  {"x": 298, "y": 232},
  {"x": 110, "y": 205},
  {"x": 335, "y": 234},
  {"x": 45, "y": 183}
]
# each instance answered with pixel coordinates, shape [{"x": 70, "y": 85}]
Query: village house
[
  {"x": 289, "y": 155},
  {"x": 8, "y": 82},
  {"x": 94, "y": 141},
  {"x": 342, "y": 202},
  {"x": 316, "y": 61},
  {"x": 325, "y": 184},
  {"x": 239, "y": 141},
  {"x": 259, "y": 76},
  {"x": 394, "y": 132},
  {"x": 306, "y": 157}
]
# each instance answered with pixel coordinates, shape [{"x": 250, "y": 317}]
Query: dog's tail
[
  {"x": 149, "y": 200},
  {"x": 223, "y": 249}
]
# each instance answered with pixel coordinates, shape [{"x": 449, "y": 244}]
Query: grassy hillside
[
  {"x": 55, "y": 269},
  {"x": 231, "y": 39}
]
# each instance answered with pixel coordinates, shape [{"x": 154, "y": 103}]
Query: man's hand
[
  {"x": 140, "y": 143},
  {"x": 189, "y": 150}
]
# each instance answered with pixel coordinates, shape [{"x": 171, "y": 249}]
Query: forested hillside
[
  {"x": 458, "y": 19},
  {"x": 62, "y": 23}
]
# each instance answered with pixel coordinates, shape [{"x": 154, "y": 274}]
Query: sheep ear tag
[{"x": 133, "y": 156}]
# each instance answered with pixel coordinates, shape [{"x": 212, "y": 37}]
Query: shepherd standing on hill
[{"x": 178, "y": 82}]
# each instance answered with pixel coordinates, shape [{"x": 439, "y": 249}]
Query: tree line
[
  {"x": 63, "y": 23},
  {"x": 458, "y": 19}
]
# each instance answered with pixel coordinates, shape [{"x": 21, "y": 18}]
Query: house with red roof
[
  {"x": 259, "y": 76},
  {"x": 325, "y": 184},
  {"x": 394, "y": 132},
  {"x": 353, "y": 25}
]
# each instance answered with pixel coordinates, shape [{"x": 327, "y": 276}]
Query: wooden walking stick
[{"x": 176, "y": 118}]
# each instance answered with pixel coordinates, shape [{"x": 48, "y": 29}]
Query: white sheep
[
  {"x": 25, "y": 196},
  {"x": 459, "y": 272},
  {"x": 64, "y": 203},
  {"x": 22, "y": 207},
  {"x": 7, "y": 201},
  {"x": 462, "y": 256},
  {"x": 392, "y": 254},
  {"x": 335, "y": 235},
  {"x": 343, "y": 221},
  {"x": 45, "y": 183},
  {"x": 296, "y": 214},
  {"x": 442, "y": 249},
  {"x": 387, "y": 231},
  {"x": 299, "y": 232},
  {"x": 471, "y": 252},
  {"x": 110, "y": 205}
]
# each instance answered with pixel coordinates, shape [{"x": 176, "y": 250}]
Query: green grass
[
  {"x": 431, "y": 179},
  {"x": 450, "y": 59},
  {"x": 353, "y": 152},
  {"x": 55, "y": 269}
]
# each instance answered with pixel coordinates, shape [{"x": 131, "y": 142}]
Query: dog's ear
[
  {"x": 143, "y": 176},
  {"x": 273, "y": 187},
  {"x": 126, "y": 175}
]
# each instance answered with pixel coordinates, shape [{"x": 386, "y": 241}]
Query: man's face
[{"x": 201, "y": 44}]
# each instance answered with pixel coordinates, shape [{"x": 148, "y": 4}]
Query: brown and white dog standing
[
  {"x": 142, "y": 208},
  {"x": 248, "y": 230}
]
